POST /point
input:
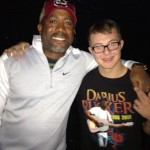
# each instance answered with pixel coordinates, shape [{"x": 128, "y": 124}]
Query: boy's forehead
[{"x": 105, "y": 34}]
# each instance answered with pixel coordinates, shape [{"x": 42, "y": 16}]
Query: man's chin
[{"x": 59, "y": 49}]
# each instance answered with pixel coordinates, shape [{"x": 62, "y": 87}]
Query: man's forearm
[
  {"x": 146, "y": 127},
  {"x": 131, "y": 63},
  {"x": 128, "y": 63}
]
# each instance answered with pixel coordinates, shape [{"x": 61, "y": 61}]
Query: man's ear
[
  {"x": 39, "y": 27},
  {"x": 74, "y": 31}
]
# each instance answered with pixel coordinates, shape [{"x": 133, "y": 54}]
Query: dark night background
[{"x": 18, "y": 22}]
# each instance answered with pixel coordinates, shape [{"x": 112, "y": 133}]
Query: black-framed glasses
[{"x": 98, "y": 48}]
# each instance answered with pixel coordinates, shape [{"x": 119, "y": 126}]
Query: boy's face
[{"x": 107, "y": 48}]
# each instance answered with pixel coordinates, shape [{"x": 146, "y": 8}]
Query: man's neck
[{"x": 53, "y": 55}]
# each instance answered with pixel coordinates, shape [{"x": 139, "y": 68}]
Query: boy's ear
[
  {"x": 122, "y": 43},
  {"x": 90, "y": 50}
]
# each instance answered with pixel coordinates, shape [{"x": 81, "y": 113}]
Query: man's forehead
[{"x": 61, "y": 13}]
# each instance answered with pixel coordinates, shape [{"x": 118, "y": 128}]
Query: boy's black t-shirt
[{"x": 120, "y": 94}]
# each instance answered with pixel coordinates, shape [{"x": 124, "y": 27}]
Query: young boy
[{"x": 110, "y": 81}]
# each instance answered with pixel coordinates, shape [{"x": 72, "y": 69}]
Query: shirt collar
[{"x": 37, "y": 44}]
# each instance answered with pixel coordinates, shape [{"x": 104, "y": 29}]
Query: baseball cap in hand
[{"x": 51, "y": 5}]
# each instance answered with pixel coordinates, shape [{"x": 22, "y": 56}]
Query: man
[
  {"x": 36, "y": 92},
  {"x": 36, "y": 99},
  {"x": 110, "y": 81}
]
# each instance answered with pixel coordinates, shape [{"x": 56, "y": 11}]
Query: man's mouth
[{"x": 59, "y": 38}]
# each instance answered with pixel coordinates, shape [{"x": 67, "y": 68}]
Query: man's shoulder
[
  {"x": 79, "y": 51},
  {"x": 32, "y": 50},
  {"x": 3, "y": 57},
  {"x": 86, "y": 53}
]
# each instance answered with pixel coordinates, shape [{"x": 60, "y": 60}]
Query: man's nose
[{"x": 61, "y": 27}]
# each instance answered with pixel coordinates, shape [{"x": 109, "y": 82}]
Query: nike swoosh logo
[{"x": 64, "y": 73}]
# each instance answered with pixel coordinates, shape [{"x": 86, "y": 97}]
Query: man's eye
[
  {"x": 68, "y": 23},
  {"x": 52, "y": 21}
]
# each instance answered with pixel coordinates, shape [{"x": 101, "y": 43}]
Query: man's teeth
[{"x": 58, "y": 38}]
